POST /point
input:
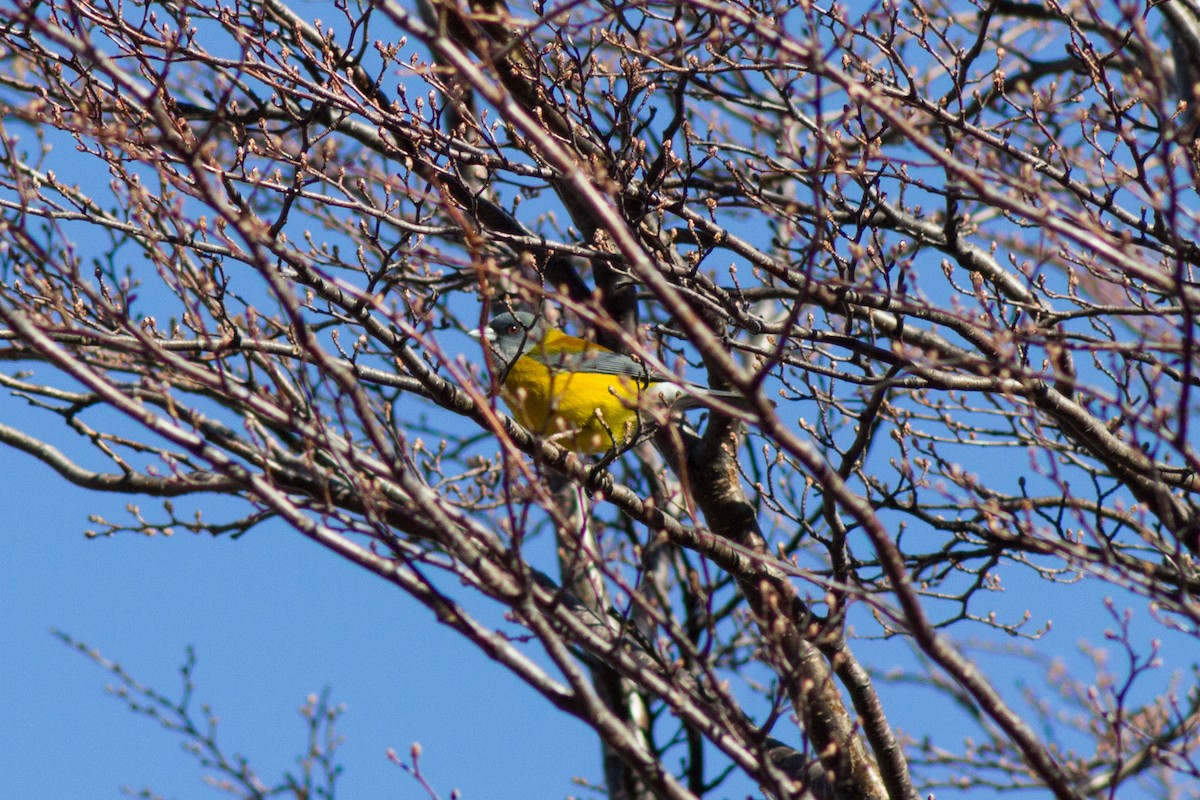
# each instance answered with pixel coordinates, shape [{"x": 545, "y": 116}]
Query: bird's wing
[
  {"x": 563, "y": 353},
  {"x": 572, "y": 354}
]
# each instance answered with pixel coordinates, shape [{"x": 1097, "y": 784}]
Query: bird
[{"x": 580, "y": 394}]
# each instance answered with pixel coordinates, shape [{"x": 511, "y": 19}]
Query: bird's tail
[{"x": 691, "y": 397}]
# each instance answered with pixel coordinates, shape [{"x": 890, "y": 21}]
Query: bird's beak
[{"x": 486, "y": 335}]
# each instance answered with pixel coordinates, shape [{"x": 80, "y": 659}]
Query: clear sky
[{"x": 272, "y": 618}]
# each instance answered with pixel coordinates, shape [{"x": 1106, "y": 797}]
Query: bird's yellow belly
[{"x": 584, "y": 412}]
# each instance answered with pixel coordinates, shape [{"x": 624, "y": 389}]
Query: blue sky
[{"x": 272, "y": 619}]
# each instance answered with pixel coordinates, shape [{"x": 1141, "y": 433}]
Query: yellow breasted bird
[{"x": 581, "y": 395}]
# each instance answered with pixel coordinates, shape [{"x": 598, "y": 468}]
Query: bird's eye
[{"x": 511, "y": 329}]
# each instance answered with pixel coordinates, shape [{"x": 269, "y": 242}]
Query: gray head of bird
[{"x": 509, "y": 335}]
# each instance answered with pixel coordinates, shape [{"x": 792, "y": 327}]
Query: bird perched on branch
[{"x": 579, "y": 394}]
